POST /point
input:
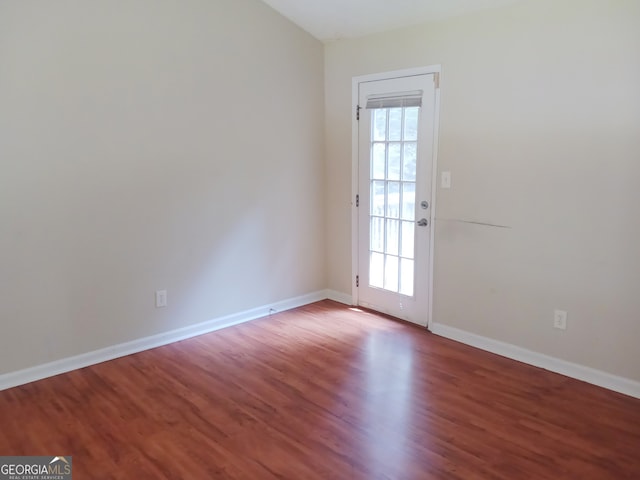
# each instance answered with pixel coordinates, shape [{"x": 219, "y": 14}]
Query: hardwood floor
[{"x": 323, "y": 392}]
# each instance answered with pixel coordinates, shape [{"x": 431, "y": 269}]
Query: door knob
[{"x": 423, "y": 222}]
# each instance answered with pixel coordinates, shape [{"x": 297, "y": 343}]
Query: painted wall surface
[
  {"x": 540, "y": 127},
  {"x": 152, "y": 144}
]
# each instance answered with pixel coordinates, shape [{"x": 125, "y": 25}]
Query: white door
[{"x": 395, "y": 168}]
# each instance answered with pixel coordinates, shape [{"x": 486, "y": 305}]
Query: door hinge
[
  {"x": 357, "y": 280},
  {"x": 436, "y": 80},
  {"x": 358, "y": 107},
  {"x": 357, "y": 200}
]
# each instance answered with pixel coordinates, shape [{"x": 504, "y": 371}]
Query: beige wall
[
  {"x": 150, "y": 144},
  {"x": 174, "y": 144},
  {"x": 540, "y": 127}
]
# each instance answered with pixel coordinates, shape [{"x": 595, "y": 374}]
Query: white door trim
[{"x": 355, "y": 173}]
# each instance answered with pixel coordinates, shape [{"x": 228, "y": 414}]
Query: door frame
[{"x": 355, "y": 84}]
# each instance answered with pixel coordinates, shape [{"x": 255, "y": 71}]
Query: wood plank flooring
[{"x": 323, "y": 392}]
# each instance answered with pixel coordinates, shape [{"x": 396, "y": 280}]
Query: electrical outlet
[
  {"x": 445, "y": 180},
  {"x": 560, "y": 319},
  {"x": 161, "y": 298}
]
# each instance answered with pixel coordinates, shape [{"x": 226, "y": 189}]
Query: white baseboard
[
  {"x": 596, "y": 377},
  {"x": 20, "y": 377},
  {"x": 339, "y": 297},
  {"x": 573, "y": 370}
]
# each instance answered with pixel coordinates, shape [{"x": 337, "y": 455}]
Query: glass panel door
[{"x": 395, "y": 163}]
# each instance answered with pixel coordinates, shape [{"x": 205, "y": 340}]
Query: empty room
[{"x": 339, "y": 239}]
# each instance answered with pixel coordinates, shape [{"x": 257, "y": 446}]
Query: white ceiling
[{"x": 334, "y": 19}]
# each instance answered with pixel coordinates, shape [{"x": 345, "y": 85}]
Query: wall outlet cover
[{"x": 161, "y": 298}]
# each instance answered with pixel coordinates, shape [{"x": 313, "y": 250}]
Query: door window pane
[
  {"x": 380, "y": 125},
  {"x": 411, "y": 123},
  {"x": 376, "y": 270},
  {"x": 408, "y": 201},
  {"x": 391, "y": 273},
  {"x": 406, "y": 277},
  {"x": 377, "y": 198},
  {"x": 393, "y": 199},
  {"x": 408, "y": 239},
  {"x": 409, "y": 162},
  {"x": 395, "y": 124},
  {"x": 394, "y": 161},
  {"x": 377, "y": 234},
  {"x": 393, "y": 237},
  {"x": 378, "y": 160}
]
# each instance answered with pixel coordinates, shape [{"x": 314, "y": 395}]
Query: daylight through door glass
[{"x": 394, "y": 140}]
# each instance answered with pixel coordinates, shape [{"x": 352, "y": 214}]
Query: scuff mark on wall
[{"x": 472, "y": 222}]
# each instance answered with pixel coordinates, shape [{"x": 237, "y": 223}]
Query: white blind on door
[{"x": 395, "y": 100}]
